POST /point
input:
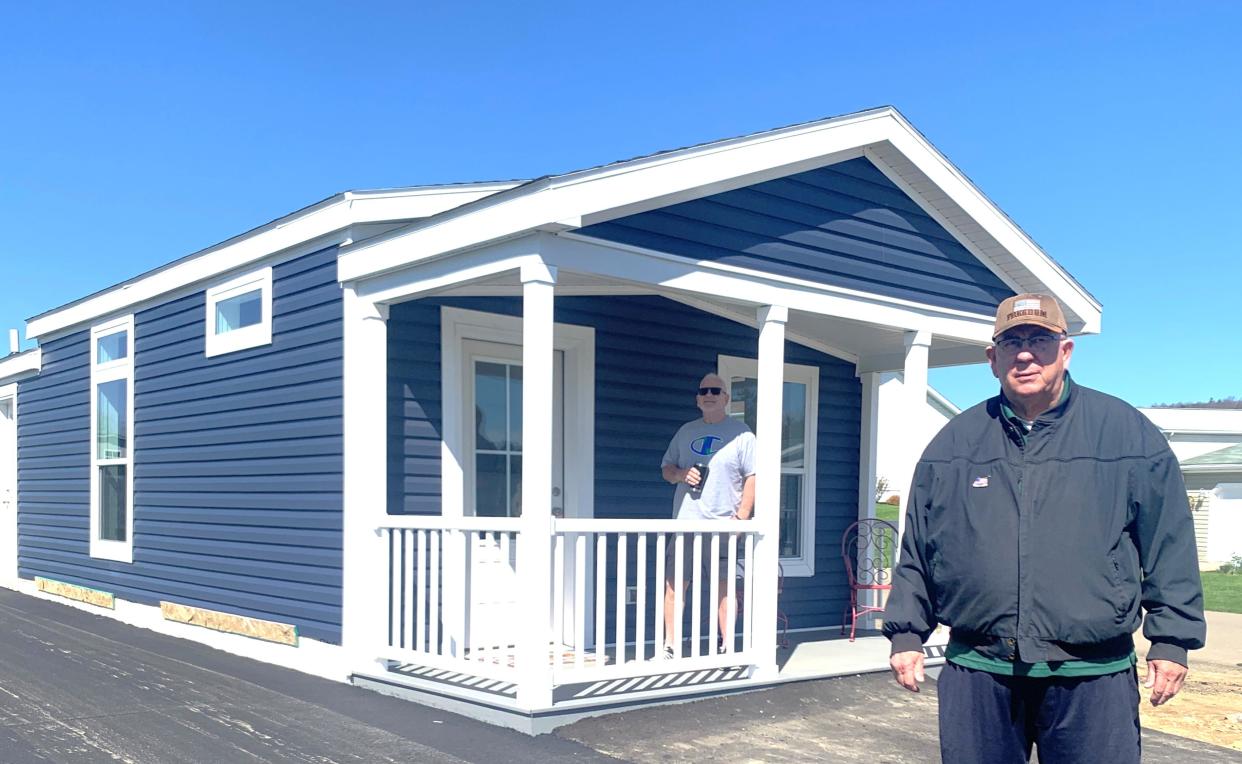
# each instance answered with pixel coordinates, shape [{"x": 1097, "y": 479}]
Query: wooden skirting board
[
  {"x": 269, "y": 631},
  {"x": 77, "y": 593}
]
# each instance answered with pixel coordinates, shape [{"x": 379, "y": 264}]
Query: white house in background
[
  {"x": 1208, "y": 443},
  {"x": 901, "y": 432}
]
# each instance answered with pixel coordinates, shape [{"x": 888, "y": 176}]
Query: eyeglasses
[
  {"x": 1039, "y": 344},
  {"x": 710, "y": 390}
]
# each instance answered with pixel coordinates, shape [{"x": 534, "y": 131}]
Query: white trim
[
  {"x": 578, "y": 344},
  {"x": 310, "y": 656},
  {"x": 101, "y": 373},
  {"x": 8, "y": 480},
  {"x": 21, "y": 365},
  {"x": 581, "y": 254},
  {"x": 243, "y": 338},
  {"x": 329, "y": 218},
  {"x": 364, "y": 394},
  {"x": 728, "y": 366},
  {"x": 604, "y": 193}
]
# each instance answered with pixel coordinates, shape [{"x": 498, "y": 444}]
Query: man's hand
[
  {"x": 908, "y": 669},
  {"x": 691, "y": 477},
  {"x": 1164, "y": 679}
]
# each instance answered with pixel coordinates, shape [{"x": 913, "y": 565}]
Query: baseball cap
[{"x": 1037, "y": 309}]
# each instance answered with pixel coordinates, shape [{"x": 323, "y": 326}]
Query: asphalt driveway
[{"x": 75, "y": 687}]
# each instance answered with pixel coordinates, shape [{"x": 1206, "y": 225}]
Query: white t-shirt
[{"x": 728, "y": 449}]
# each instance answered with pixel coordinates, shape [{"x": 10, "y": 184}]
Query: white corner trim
[
  {"x": 254, "y": 335},
  {"x": 21, "y": 365}
]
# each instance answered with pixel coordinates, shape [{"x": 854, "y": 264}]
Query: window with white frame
[
  {"x": 239, "y": 313},
  {"x": 112, "y": 441},
  {"x": 799, "y": 418}
]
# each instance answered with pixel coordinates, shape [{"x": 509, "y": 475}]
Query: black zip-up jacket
[{"x": 1043, "y": 546}]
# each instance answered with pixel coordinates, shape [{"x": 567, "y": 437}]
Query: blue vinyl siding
[
  {"x": 845, "y": 224},
  {"x": 237, "y": 462},
  {"x": 649, "y": 354}
]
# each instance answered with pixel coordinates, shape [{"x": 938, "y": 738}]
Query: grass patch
[
  {"x": 1222, "y": 592},
  {"x": 887, "y": 512}
]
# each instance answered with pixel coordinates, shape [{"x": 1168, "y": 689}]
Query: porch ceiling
[{"x": 871, "y": 346}]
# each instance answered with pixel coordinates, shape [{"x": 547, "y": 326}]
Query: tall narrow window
[
  {"x": 239, "y": 313},
  {"x": 112, "y": 445},
  {"x": 799, "y": 417}
]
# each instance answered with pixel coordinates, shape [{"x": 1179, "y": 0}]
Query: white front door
[
  {"x": 493, "y": 402},
  {"x": 482, "y": 391},
  {"x": 8, "y": 488}
]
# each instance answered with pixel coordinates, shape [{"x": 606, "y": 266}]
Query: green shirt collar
[{"x": 1019, "y": 421}]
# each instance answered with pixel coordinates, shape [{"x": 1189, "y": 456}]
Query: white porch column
[
  {"x": 535, "y": 539},
  {"x": 868, "y": 457},
  {"x": 914, "y": 393},
  {"x": 768, "y": 485},
  {"x": 364, "y": 616}
]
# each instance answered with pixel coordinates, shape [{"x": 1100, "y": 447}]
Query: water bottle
[{"x": 697, "y": 490}]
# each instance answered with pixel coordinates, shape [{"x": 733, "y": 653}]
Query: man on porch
[{"x": 727, "y": 448}]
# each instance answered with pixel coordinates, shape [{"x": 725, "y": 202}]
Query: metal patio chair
[{"x": 869, "y": 550}]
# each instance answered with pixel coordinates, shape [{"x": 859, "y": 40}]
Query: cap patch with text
[{"x": 1035, "y": 309}]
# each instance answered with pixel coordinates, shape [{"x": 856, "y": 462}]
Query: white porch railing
[{"x": 453, "y": 596}]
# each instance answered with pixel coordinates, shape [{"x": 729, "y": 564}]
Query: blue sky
[{"x": 134, "y": 134}]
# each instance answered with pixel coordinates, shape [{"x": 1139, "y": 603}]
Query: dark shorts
[{"x": 687, "y": 561}]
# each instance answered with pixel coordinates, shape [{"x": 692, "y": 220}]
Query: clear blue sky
[{"x": 134, "y": 134}]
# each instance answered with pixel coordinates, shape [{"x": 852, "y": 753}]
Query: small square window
[
  {"x": 113, "y": 347},
  {"x": 239, "y": 314}
]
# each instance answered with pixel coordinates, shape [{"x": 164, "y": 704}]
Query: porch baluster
[
  {"x": 679, "y": 551},
  {"x": 713, "y": 598},
  {"x": 622, "y": 580},
  {"x": 420, "y": 629},
  {"x": 640, "y": 601},
  {"x": 732, "y": 604},
  {"x": 696, "y": 615},
  {"x": 579, "y": 599},
  {"x": 657, "y": 598},
  {"x": 601, "y": 596},
  {"x": 433, "y": 595}
]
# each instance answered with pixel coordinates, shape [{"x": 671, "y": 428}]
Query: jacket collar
[{"x": 1014, "y": 424}]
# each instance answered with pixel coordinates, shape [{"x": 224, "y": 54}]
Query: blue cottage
[{"x": 411, "y": 438}]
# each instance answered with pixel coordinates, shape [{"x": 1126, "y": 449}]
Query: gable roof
[
  {"x": 588, "y": 197},
  {"x": 433, "y": 221}
]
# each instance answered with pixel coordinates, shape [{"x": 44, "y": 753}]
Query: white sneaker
[{"x": 668, "y": 653}]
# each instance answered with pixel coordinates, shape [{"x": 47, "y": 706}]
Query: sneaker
[
  {"x": 721, "y": 649},
  {"x": 668, "y": 653}
]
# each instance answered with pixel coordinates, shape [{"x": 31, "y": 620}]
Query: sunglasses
[{"x": 710, "y": 390}]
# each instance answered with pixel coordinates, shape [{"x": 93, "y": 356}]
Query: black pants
[{"x": 993, "y": 719}]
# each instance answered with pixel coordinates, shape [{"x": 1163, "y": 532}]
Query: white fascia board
[
  {"x": 595, "y": 195},
  {"x": 21, "y": 365},
  {"x": 1196, "y": 421},
  {"x": 972, "y": 201},
  {"x": 314, "y": 223}
]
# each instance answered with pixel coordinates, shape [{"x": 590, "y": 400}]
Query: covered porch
[
  {"x": 528, "y": 574},
  {"x": 536, "y": 588}
]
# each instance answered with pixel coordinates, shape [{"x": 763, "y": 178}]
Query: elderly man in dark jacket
[{"x": 1041, "y": 525}]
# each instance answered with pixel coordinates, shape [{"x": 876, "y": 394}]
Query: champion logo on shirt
[
  {"x": 980, "y": 482},
  {"x": 707, "y": 445}
]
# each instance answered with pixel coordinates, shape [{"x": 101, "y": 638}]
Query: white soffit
[
  {"x": 316, "y": 223},
  {"x": 591, "y": 196},
  {"x": 20, "y": 365}
]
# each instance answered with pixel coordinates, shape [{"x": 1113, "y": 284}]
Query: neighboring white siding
[{"x": 895, "y": 428}]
